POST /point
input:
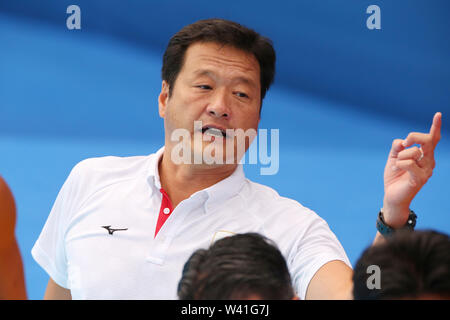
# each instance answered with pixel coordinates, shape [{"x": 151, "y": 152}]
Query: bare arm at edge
[
  {"x": 56, "y": 292},
  {"x": 333, "y": 281}
]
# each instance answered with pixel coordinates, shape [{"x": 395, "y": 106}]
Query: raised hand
[{"x": 407, "y": 170}]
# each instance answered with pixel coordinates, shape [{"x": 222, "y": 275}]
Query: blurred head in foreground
[
  {"x": 408, "y": 265},
  {"x": 241, "y": 267}
]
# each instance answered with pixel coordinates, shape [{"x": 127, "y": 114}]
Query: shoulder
[
  {"x": 291, "y": 225},
  {"x": 94, "y": 174},
  {"x": 280, "y": 217},
  {"x": 6, "y": 197},
  {"x": 112, "y": 166},
  {"x": 266, "y": 201},
  {"x": 7, "y": 214}
]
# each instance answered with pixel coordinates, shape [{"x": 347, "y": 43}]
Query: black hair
[
  {"x": 237, "y": 267},
  {"x": 412, "y": 265},
  {"x": 223, "y": 32}
]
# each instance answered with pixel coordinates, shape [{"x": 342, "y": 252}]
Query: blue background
[{"x": 342, "y": 93}]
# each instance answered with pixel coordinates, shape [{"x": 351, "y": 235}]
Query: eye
[
  {"x": 204, "y": 87},
  {"x": 241, "y": 94}
]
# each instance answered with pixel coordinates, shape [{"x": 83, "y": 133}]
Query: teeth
[{"x": 214, "y": 131}]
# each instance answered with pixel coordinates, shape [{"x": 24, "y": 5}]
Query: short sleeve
[
  {"x": 318, "y": 246},
  {"x": 49, "y": 249}
]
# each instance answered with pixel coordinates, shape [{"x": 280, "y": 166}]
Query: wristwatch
[{"x": 385, "y": 230}]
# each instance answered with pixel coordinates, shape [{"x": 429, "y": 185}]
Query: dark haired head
[
  {"x": 225, "y": 33},
  {"x": 243, "y": 266},
  {"x": 413, "y": 265}
]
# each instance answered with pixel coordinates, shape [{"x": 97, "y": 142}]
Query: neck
[{"x": 180, "y": 181}]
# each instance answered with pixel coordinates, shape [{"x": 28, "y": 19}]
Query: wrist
[
  {"x": 385, "y": 230},
  {"x": 395, "y": 216}
]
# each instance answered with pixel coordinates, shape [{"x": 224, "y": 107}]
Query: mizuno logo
[{"x": 111, "y": 231}]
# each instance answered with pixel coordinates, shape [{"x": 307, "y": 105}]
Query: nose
[{"x": 219, "y": 106}]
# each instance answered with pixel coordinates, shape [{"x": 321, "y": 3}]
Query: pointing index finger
[
  {"x": 435, "y": 130},
  {"x": 427, "y": 140}
]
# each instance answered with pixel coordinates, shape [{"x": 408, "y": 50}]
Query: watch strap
[{"x": 385, "y": 230}]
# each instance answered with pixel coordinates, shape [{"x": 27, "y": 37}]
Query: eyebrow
[{"x": 211, "y": 74}]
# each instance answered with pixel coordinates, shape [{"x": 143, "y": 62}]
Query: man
[
  {"x": 240, "y": 267},
  {"x": 410, "y": 265},
  {"x": 12, "y": 282},
  {"x": 122, "y": 228}
]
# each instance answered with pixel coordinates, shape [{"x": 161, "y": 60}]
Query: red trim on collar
[{"x": 164, "y": 211}]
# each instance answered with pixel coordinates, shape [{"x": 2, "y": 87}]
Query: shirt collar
[
  {"x": 214, "y": 195},
  {"x": 225, "y": 189},
  {"x": 153, "y": 169}
]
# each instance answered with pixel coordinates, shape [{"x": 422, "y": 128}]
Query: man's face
[{"x": 219, "y": 86}]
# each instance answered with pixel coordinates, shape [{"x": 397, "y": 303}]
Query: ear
[{"x": 163, "y": 98}]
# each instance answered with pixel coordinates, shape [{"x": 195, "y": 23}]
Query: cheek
[
  {"x": 250, "y": 120},
  {"x": 181, "y": 113}
]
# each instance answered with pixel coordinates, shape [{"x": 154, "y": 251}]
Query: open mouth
[{"x": 214, "y": 131}]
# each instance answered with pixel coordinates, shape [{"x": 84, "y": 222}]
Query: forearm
[{"x": 379, "y": 239}]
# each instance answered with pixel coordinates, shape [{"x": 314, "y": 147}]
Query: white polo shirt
[{"x": 81, "y": 250}]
